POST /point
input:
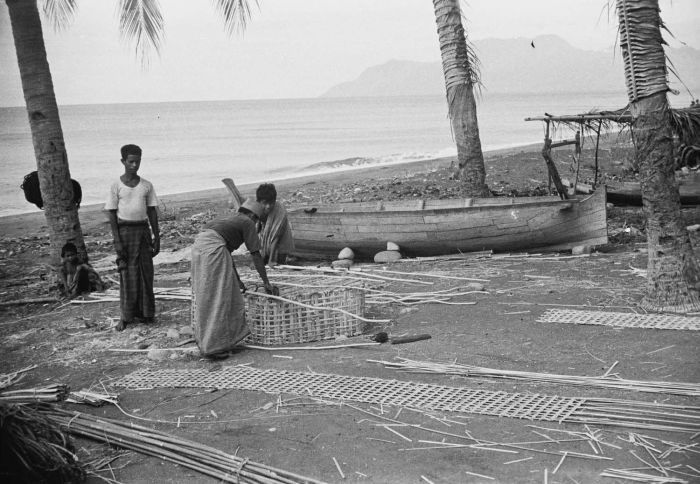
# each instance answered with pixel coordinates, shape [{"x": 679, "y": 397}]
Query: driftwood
[
  {"x": 35, "y": 300},
  {"x": 237, "y": 197}
]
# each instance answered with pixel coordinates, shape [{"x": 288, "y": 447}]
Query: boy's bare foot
[{"x": 122, "y": 325}]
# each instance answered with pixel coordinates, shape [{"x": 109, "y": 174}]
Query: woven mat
[
  {"x": 620, "y": 320},
  {"x": 360, "y": 389}
]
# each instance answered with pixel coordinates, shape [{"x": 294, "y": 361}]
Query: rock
[
  {"x": 186, "y": 331},
  {"x": 346, "y": 253},
  {"x": 172, "y": 333},
  {"x": 693, "y": 228},
  {"x": 157, "y": 354},
  {"x": 581, "y": 249},
  {"x": 609, "y": 206},
  {"x": 341, "y": 264},
  {"x": 392, "y": 246},
  {"x": 387, "y": 256}
]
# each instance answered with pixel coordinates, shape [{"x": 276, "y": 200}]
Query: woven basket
[{"x": 274, "y": 322}]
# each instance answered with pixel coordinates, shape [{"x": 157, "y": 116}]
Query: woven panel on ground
[
  {"x": 361, "y": 389},
  {"x": 314, "y": 308},
  {"x": 620, "y": 320},
  {"x": 531, "y": 406}
]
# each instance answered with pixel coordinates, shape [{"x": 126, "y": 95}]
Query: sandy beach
[{"x": 485, "y": 310}]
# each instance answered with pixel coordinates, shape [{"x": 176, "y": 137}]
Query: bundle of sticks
[
  {"x": 56, "y": 392},
  {"x": 201, "y": 458}
]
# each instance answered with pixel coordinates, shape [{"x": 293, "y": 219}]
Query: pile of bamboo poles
[
  {"x": 198, "y": 457},
  {"x": 605, "y": 381}
]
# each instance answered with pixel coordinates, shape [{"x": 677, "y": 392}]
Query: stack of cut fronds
[
  {"x": 201, "y": 458},
  {"x": 34, "y": 449},
  {"x": 605, "y": 381},
  {"x": 56, "y": 392}
]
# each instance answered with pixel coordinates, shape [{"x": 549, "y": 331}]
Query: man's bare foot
[{"x": 121, "y": 326}]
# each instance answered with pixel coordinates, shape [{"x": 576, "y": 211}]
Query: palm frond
[
  {"x": 140, "y": 21},
  {"x": 642, "y": 48},
  {"x": 686, "y": 124},
  {"x": 59, "y": 12},
  {"x": 235, "y": 14}
]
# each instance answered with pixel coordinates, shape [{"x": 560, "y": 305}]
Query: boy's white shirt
[{"x": 131, "y": 203}]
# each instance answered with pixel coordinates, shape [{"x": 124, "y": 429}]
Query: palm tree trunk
[
  {"x": 459, "y": 82},
  {"x": 673, "y": 273},
  {"x": 45, "y": 124}
]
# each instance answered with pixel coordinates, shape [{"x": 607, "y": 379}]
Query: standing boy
[{"x": 132, "y": 205}]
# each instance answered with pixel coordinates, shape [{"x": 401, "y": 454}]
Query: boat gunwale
[{"x": 362, "y": 208}]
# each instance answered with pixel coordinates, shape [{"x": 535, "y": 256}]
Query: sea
[{"x": 190, "y": 146}]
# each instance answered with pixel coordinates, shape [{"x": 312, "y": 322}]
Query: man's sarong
[
  {"x": 218, "y": 307},
  {"x": 136, "y": 281},
  {"x": 276, "y": 228}
]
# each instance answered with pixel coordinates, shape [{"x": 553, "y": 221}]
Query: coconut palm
[
  {"x": 673, "y": 273},
  {"x": 459, "y": 65},
  {"x": 140, "y": 21}
]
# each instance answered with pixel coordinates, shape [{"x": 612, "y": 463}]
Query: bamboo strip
[
  {"x": 675, "y": 388},
  {"x": 425, "y": 274},
  {"x": 344, "y": 272}
]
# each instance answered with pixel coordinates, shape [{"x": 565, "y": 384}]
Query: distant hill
[{"x": 513, "y": 65}]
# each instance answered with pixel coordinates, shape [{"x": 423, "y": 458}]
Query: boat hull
[
  {"x": 631, "y": 194},
  {"x": 439, "y": 227}
]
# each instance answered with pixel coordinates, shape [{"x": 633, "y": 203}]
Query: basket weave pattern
[{"x": 274, "y": 322}]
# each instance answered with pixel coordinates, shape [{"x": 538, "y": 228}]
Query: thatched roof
[{"x": 685, "y": 121}]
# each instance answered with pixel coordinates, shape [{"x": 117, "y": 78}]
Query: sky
[{"x": 291, "y": 49}]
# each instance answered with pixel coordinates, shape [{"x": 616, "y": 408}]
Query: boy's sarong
[
  {"x": 276, "y": 228},
  {"x": 136, "y": 281},
  {"x": 218, "y": 307}
]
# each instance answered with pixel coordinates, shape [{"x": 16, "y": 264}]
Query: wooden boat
[
  {"x": 438, "y": 227},
  {"x": 630, "y": 193}
]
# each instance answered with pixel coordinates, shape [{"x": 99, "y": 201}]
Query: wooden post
[
  {"x": 577, "y": 156},
  {"x": 597, "y": 143},
  {"x": 553, "y": 173}
]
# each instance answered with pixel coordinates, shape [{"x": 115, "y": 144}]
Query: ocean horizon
[{"x": 190, "y": 146}]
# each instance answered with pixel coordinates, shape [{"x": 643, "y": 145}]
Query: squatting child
[
  {"x": 132, "y": 207},
  {"x": 77, "y": 277}
]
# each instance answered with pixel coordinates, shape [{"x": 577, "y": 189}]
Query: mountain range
[{"x": 540, "y": 65}]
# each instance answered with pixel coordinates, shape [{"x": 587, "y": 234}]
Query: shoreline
[{"x": 91, "y": 216}]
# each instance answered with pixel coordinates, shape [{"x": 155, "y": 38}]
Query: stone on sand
[{"x": 387, "y": 256}]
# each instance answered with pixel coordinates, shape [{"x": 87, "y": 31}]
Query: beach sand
[{"x": 498, "y": 328}]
